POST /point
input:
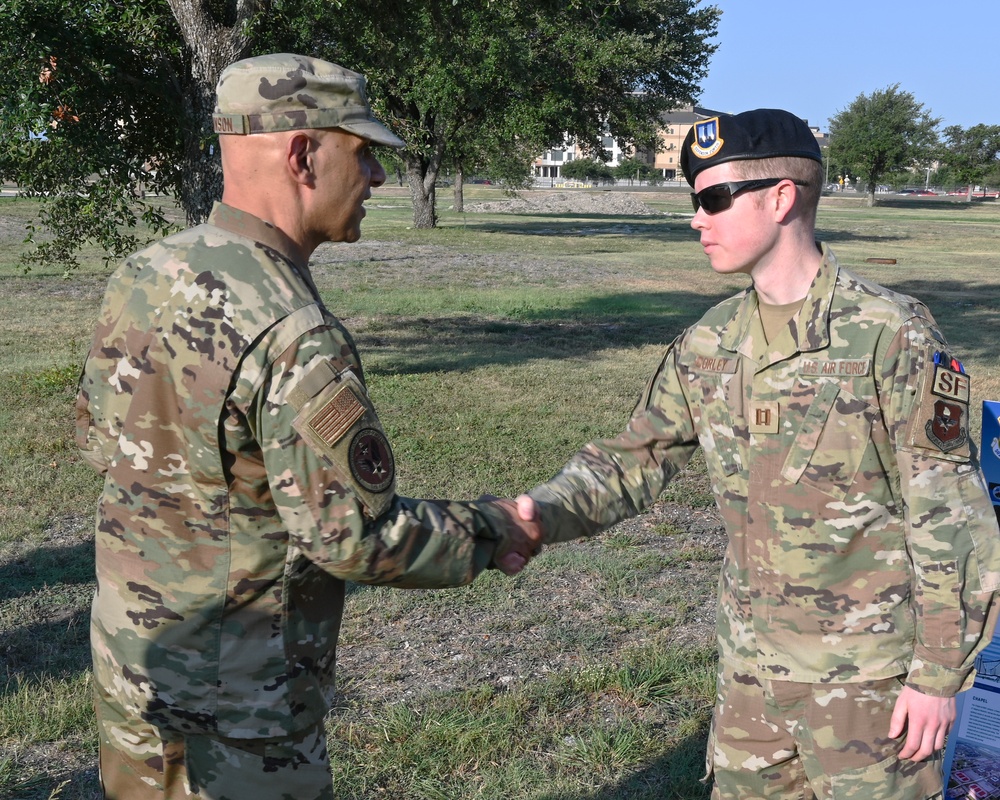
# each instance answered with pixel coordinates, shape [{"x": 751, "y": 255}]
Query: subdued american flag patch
[{"x": 336, "y": 417}]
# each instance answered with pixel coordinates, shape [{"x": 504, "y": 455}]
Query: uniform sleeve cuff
[{"x": 938, "y": 681}]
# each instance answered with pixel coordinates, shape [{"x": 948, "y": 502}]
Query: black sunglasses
[{"x": 720, "y": 196}]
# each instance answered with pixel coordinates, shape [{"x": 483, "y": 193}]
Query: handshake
[{"x": 524, "y": 533}]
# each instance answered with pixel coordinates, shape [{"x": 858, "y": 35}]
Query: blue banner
[{"x": 972, "y": 758}]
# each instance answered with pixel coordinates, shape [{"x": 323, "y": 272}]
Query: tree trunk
[
  {"x": 421, "y": 191},
  {"x": 422, "y": 169},
  {"x": 212, "y": 46},
  {"x": 871, "y": 195},
  {"x": 201, "y": 185},
  {"x": 459, "y": 194}
]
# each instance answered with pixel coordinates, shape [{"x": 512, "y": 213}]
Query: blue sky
[{"x": 813, "y": 57}]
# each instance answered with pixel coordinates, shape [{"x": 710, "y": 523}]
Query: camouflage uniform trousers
[
  {"x": 805, "y": 741},
  {"x": 140, "y": 762}
]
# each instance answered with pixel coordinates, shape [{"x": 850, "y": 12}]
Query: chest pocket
[
  {"x": 831, "y": 443},
  {"x": 716, "y": 434}
]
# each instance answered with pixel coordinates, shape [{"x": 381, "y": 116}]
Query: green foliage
[
  {"x": 487, "y": 86},
  {"x": 587, "y": 169},
  {"x": 90, "y": 103},
  {"x": 880, "y": 133},
  {"x": 56, "y": 380},
  {"x": 973, "y": 153},
  {"x": 123, "y": 98},
  {"x": 633, "y": 169},
  {"x": 679, "y": 677}
]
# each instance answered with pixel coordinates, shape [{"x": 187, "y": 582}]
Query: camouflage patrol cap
[
  {"x": 284, "y": 92},
  {"x": 761, "y": 133}
]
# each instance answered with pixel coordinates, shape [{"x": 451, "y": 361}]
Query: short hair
[{"x": 805, "y": 170}]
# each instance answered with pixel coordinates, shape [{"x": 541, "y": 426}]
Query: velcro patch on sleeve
[
  {"x": 941, "y": 423},
  {"x": 333, "y": 420},
  {"x": 340, "y": 424}
]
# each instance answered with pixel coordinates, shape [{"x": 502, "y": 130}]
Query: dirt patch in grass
[
  {"x": 650, "y": 581},
  {"x": 601, "y": 203}
]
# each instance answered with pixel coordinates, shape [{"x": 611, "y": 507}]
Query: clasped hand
[{"x": 524, "y": 534}]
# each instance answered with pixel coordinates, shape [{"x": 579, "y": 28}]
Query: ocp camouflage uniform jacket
[
  {"x": 862, "y": 543},
  {"x": 246, "y": 478}
]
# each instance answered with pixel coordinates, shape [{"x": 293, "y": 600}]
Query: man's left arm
[{"x": 951, "y": 532}]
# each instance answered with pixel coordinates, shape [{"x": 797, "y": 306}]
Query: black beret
[{"x": 761, "y": 133}]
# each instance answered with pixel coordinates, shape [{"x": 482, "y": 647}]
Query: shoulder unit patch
[{"x": 942, "y": 422}]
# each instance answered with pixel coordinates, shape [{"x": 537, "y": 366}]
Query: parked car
[{"x": 907, "y": 191}]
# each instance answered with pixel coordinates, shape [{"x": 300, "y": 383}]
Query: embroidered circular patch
[{"x": 371, "y": 460}]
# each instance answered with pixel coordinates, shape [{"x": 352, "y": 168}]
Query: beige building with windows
[{"x": 673, "y": 129}]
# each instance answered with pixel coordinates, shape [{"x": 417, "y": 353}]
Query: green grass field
[{"x": 494, "y": 347}]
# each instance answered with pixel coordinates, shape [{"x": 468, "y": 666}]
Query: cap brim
[{"x": 375, "y": 132}]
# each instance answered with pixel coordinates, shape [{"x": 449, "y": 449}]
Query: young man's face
[
  {"x": 738, "y": 238},
  {"x": 346, "y": 173}
]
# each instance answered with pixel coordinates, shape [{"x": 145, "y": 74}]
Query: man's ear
[
  {"x": 785, "y": 196},
  {"x": 299, "y": 158}
]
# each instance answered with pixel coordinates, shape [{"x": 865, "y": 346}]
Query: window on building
[{"x": 557, "y": 155}]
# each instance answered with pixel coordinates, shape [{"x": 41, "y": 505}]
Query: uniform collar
[
  {"x": 810, "y": 328},
  {"x": 243, "y": 223}
]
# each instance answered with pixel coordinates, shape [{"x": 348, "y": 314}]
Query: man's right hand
[
  {"x": 524, "y": 534},
  {"x": 526, "y": 508}
]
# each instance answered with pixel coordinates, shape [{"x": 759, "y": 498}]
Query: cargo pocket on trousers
[{"x": 890, "y": 779}]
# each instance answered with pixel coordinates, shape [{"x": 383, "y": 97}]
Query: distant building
[{"x": 674, "y": 127}]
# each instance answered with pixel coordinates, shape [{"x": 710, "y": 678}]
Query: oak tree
[{"x": 881, "y": 133}]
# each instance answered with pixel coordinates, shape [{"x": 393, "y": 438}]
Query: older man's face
[{"x": 346, "y": 172}]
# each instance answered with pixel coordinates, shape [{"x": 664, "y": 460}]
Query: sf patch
[{"x": 942, "y": 423}]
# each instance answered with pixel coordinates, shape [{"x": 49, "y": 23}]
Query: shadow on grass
[
  {"x": 46, "y": 596},
  {"x": 46, "y": 567},
  {"x": 80, "y": 784},
  {"x": 966, "y": 312},
  {"x": 947, "y": 205},
  {"x": 677, "y": 228},
  {"x": 672, "y": 230},
  {"x": 674, "y": 776},
  {"x": 835, "y": 237},
  {"x": 434, "y": 344}
]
